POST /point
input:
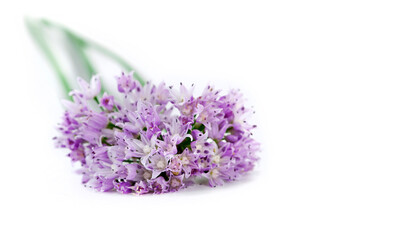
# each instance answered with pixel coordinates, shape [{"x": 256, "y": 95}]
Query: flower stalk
[
  {"x": 79, "y": 47},
  {"x": 36, "y": 31}
]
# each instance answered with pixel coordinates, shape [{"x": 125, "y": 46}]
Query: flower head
[{"x": 156, "y": 139}]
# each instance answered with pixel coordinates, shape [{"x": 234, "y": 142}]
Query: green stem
[
  {"x": 96, "y": 99},
  {"x": 97, "y": 47},
  {"x": 117, "y": 58},
  {"x": 79, "y": 46},
  {"x": 111, "y": 126},
  {"x": 37, "y": 34}
]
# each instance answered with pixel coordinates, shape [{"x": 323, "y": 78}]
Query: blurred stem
[
  {"x": 118, "y": 59},
  {"x": 79, "y": 46},
  {"x": 37, "y": 33},
  {"x": 86, "y": 43}
]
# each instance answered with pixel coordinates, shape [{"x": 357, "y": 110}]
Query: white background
[{"x": 325, "y": 78}]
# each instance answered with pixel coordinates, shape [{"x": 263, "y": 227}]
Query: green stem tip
[{"x": 80, "y": 46}]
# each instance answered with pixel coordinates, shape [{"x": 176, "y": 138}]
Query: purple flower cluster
[{"x": 156, "y": 139}]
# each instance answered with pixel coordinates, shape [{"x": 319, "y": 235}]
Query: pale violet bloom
[
  {"x": 156, "y": 139},
  {"x": 92, "y": 89},
  {"x": 143, "y": 148}
]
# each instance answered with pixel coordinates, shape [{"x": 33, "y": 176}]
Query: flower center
[
  {"x": 184, "y": 160},
  {"x": 161, "y": 164},
  {"x": 147, "y": 175},
  {"x": 146, "y": 149},
  {"x": 214, "y": 173},
  {"x": 187, "y": 109},
  {"x": 203, "y": 116},
  {"x": 176, "y": 183},
  {"x": 216, "y": 159}
]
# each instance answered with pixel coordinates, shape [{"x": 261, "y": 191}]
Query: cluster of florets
[{"x": 156, "y": 139}]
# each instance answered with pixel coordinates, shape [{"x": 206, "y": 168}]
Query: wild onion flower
[
  {"x": 156, "y": 139},
  {"x": 148, "y": 138}
]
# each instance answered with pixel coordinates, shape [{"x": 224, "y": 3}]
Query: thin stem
[
  {"x": 117, "y": 58},
  {"x": 96, "y": 99},
  {"x": 38, "y": 35},
  {"x": 78, "y": 47},
  {"x": 91, "y": 44}
]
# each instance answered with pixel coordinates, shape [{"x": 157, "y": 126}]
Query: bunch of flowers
[{"x": 156, "y": 139}]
